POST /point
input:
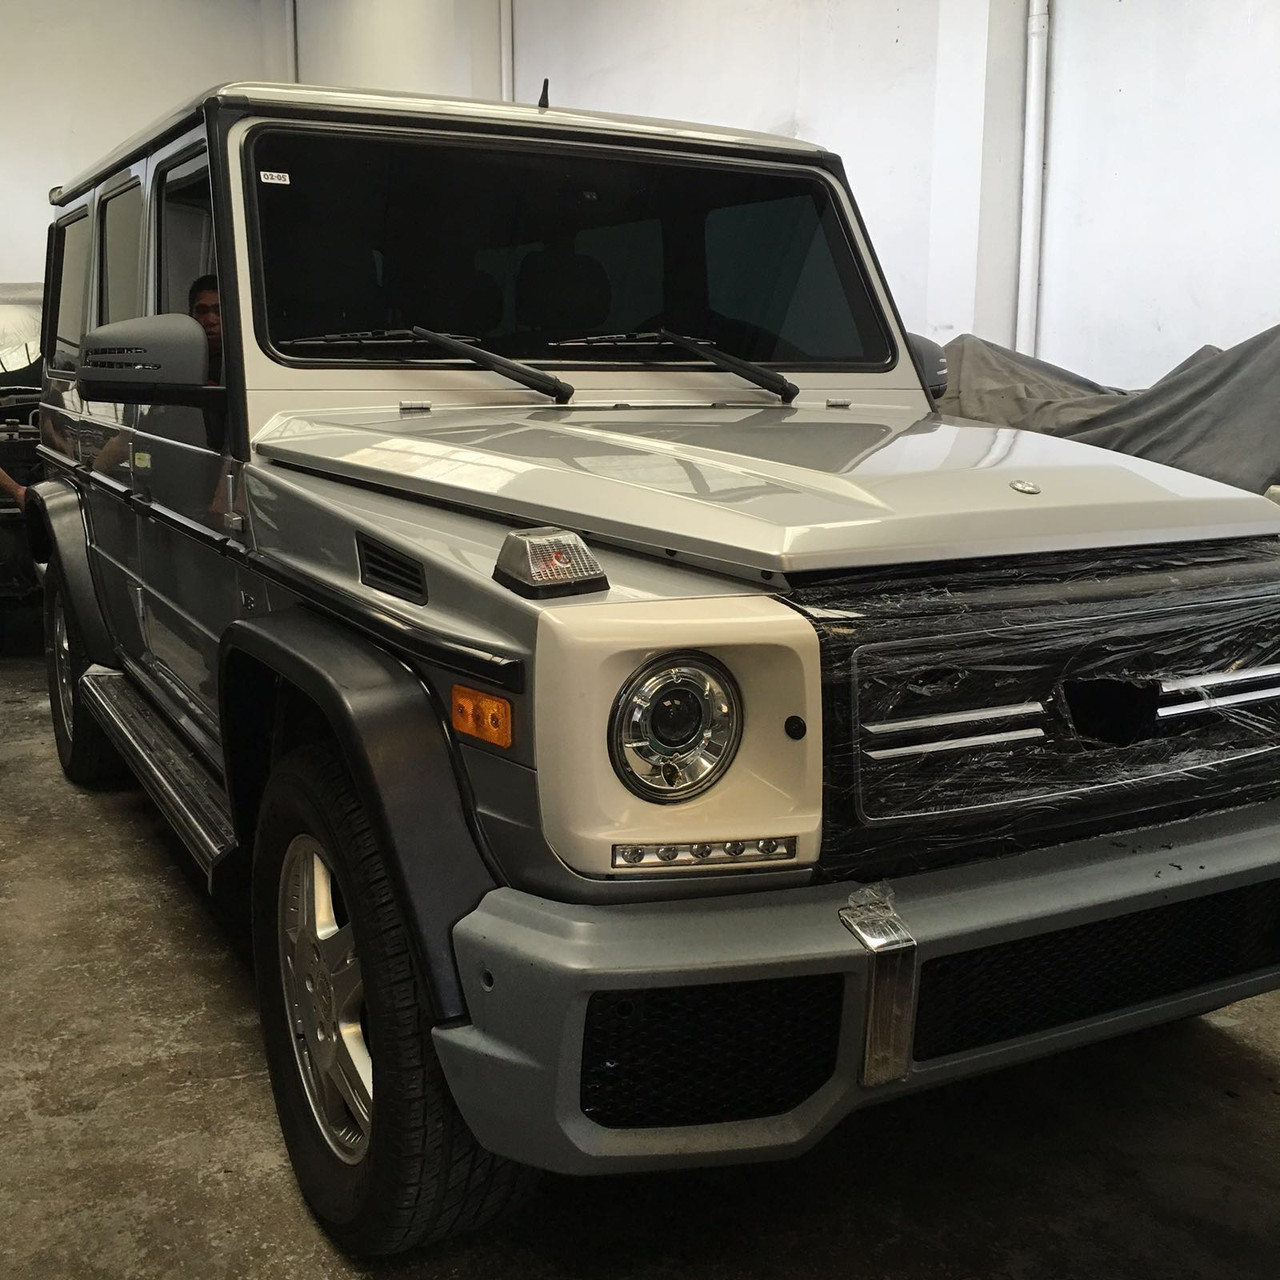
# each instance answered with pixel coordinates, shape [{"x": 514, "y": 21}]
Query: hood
[{"x": 777, "y": 489}]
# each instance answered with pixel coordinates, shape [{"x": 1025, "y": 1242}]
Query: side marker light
[{"x": 481, "y": 715}]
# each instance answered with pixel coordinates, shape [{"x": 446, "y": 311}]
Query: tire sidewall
[
  {"x": 64, "y": 735},
  {"x": 293, "y": 805}
]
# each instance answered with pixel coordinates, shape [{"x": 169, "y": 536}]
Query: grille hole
[{"x": 1114, "y": 713}]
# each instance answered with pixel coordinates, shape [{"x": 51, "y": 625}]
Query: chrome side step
[{"x": 169, "y": 771}]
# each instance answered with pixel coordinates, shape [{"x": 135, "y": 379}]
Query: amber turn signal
[{"x": 482, "y": 715}]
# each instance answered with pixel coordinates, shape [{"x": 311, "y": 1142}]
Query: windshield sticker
[{"x": 267, "y": 176}]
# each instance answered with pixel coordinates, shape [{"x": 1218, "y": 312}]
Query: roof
[{"x": 297, "y": 98}]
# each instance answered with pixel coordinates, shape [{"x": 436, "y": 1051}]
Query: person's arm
[{"x": 9, "y": 485}]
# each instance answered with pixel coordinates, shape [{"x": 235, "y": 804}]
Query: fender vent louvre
[{"x": 385, "y": 569}]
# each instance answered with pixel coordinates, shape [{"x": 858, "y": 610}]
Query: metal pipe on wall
[
  {"x": 291, "y": 38},
  {"x": 507, "y": 48},
  {"x": 1031, "y": 226}
]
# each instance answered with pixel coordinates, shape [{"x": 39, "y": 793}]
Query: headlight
[{"x": 675, "y": 727}]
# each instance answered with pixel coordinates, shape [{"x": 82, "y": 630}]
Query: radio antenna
[{"x": 543, "y": 101}]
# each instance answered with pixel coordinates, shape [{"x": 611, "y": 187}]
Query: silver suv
[{"x": 519, "y": 548}]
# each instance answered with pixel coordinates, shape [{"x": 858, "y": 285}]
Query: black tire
[
  {"x": 420, "y": 1176},
  {"x": 86, "y": 754}
]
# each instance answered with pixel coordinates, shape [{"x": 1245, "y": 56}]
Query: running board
[{"x": 171, "y": 775}]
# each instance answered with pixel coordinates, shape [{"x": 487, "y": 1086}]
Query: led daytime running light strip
[{"x": 702, "y": 853}]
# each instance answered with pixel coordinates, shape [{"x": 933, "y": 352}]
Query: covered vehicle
[{"x": 1214, "y": 414}]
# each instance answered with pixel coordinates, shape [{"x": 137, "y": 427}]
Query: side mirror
[
  {"x": 931, "y": 360},
  {"x": 151, "y": 360}
]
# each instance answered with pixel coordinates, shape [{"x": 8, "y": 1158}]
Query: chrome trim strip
[
  {"x": 891, "y": 983},
  {"x": 956, "y": 717},
  {"x": 1223, "y": 677},
  {"x": 1208, "y": 702},
  {"x": 955, "y": 744}
]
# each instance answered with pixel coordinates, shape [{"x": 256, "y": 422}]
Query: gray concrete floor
[{"x": 139, "y": 1138}]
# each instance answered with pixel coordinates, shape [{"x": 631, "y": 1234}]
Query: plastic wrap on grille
[
  {"x": 1018, "y": 988},
  {"x": 974, "y": 710},
  {"x": 727, "y": 1051}
]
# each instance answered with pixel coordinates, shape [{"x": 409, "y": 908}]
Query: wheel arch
[
  {"x": 57, "y": 530},
  {"x": 283, "y": 674}
]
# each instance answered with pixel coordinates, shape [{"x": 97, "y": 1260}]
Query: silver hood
[{"x": 773, "y": 489}]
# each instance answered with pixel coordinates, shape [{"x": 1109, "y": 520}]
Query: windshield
[{"x": 528, "y": 250}]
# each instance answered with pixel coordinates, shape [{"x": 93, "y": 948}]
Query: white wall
[
  {"x": 78, "y": 77},
  {"x": 1163, "y": 182},
  {"x": 922, "y": 99},
  {"x": 447, "y": 47}
]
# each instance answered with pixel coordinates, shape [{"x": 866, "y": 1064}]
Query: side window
[
  {"x": 185, "y": 232},
  {"x": 73, "y": 295},
  {"x": 119, "y": 295}
]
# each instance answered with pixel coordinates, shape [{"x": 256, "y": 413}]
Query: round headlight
[{"x": 675, "y": 727}]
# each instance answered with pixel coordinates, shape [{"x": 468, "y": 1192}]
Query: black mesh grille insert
[
  {"x": 977, "y": 998},
  {"x": 389, "y": 570},
  {"x": 707, "y": 1054}
]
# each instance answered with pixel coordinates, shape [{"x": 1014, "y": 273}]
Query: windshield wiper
[
  {"x": 782, "y": 387},
  {"x": 457, "y": 344}
]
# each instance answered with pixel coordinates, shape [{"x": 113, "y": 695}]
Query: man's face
[{"x": 205, "y": 309}]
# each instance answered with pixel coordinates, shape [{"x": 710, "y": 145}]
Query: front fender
[{"x": 396, "y": 749}]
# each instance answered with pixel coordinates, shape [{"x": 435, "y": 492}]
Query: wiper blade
[
  {"x": 459, "y": 344},
  {"x": 537, "y": 379},
  {"x": 782, "y": 387}
]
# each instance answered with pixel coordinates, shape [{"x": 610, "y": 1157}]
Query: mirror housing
[
  {"x": 151, "y": 360},
  {"x": 931, "y": 360}
]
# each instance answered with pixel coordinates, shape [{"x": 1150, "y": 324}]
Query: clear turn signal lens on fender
[
  {"x": 481, "y": 715},
  {"x": 548, "y": 562},
  {"x": 702, "y": 853}
]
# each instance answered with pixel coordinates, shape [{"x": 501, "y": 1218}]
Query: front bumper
[{"x": 529, "y": 968}]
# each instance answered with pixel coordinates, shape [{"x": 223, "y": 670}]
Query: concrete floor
[{"x": 139, "y": 1138}]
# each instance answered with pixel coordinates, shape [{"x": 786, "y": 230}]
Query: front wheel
[{"x": 381, "y": 1153}]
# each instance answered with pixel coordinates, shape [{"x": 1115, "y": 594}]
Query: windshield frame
[{"x": 881, "y": 308}]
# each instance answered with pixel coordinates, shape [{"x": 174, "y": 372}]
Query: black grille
[
  {"x": 707, "y": 1054},
  {"x": 386, "y": 569},
  {"x": 901, "y": 648},
  {"x": 982, "y": 997}
]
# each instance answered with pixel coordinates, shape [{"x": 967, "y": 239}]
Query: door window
[
  {"x": 73, "y": 294},
  {"x": 185, "y": 233},
  {"x": 120, "y": 294}
]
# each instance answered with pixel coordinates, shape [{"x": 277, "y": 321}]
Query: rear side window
[
  {"x": 73, "y": 293},
  {"x": 121, "y": 295},
  {"x": 185, "y": 231}
]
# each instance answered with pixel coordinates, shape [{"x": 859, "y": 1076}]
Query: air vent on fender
[{"x": 385, "y": 569}]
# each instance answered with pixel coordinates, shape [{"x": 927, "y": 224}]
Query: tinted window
[
  {"x": 185, "y": 232},
  {"x": 121, "y": 256},
  {"x": 529, "y": 249},
  {"x": 73, "y": 279}
]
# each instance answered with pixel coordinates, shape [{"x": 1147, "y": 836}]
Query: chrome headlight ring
[{"x": 675, "y": 727}]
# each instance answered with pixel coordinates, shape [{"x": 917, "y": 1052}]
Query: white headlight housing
[{"x": 675, "y": 727}]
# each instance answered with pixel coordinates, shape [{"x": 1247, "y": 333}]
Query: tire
[
  {"x": 86, "y": 754},
  {"x": 339, "y": 989}
]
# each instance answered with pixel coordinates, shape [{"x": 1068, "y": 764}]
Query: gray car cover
[{"x": 1217, "y": 414}]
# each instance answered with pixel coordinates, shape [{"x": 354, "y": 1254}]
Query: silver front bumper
[{"x": 529, "y": 967}]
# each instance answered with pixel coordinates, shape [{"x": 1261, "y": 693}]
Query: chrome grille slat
[
  {"x": 1210, "y": 702},
  {"x": 955, "y": 744},
  {"x": 1240, "y": 676},
  {"x": 947, "y": 718}
]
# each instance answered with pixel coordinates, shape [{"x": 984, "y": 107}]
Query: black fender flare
[
  {"x": 397, "y": 751},
  {"x": 57, "y": 531}
]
